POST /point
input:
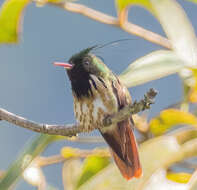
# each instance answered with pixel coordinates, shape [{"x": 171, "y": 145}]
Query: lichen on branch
[{"x": 73, "y": 129}]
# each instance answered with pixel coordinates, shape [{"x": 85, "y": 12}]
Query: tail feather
[{"x": 124, "y": 149}]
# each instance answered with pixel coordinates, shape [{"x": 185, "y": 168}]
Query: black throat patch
[
  {"x": 80, "y": 78},
  {"x": 81, "y": 82}
]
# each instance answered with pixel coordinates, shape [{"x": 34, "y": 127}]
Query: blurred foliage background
[{"x": 35, "y": 33}]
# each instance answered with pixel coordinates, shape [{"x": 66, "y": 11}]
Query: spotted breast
[{"x": 90, "y": 112}]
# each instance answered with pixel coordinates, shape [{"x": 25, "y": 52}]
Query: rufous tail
[{"x": 124, "y": 149}]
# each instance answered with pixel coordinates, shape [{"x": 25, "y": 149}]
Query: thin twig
[
  {"x": 76, "y": 153},
  {"x": 132, "y": 109},
  {"x": 74, "y": 129},
  {"x": 45, "y": 161},
  {"x": 107, "y": 19},
  {"x": 87, "y": 139},
  {"x": 64, "y": 130}
]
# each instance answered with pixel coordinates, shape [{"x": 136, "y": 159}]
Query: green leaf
[
  {"x": 154, "y": 154},
  {"x": 179, "y": 177},
  {"x": 192, "y": 95},
  {"x": 170, "y": 118},
  {"x": 32, "y": 149},
  {"x": 11, "y": 19},
  {"x": 159, "y": 181},
  {"x": 56, "y": 1},
  {"x": 41, "y": 3},
  {"x": 69, "y": 152},
  {"x": 183, "y": 41},
  {"x": 178, "y": 29},
  {"x": 153, "y": 66},
  {"x": 194, "y": 1},
  {"x": 92, "y": 165},
  {"x": 122, "y": 4}
]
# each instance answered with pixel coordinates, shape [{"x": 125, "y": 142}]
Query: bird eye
[{"x": 86, "y": 62}]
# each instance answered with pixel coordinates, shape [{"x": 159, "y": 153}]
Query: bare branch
[
  {"x": 64, "y": 130},
  {"x": 74, "y": 129},
  {"x": 132, "y": 109},
  {"x": 76, "y": 153},
  {"x": 87, "y": 139},
  {"x": 45, "y": 161},
  {"x": 107, "y": 19}
]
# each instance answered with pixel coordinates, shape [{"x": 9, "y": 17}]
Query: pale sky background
[{"x": 32, "y": 87}]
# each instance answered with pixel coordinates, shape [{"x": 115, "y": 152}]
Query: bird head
[{"x": 82, "y": 68}]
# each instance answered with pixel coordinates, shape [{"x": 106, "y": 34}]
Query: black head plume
[
  {"x": 76, "y": 58},
  {"x": 80, "y": 74}
]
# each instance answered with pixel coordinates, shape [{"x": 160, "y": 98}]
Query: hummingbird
[{"x": 97, "y": 93}]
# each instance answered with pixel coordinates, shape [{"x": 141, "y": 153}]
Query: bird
[{"x": 97, "y": 93}]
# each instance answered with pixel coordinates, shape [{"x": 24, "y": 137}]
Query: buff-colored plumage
[{"x": 97, "y": 92}]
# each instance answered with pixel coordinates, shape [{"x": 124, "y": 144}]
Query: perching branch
[
  {"x": 132, "y": 109},
  {"x": 107, "y": 19},
  {"x": 74, "y": 129},
  {"x": 64, "y": 130}
]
